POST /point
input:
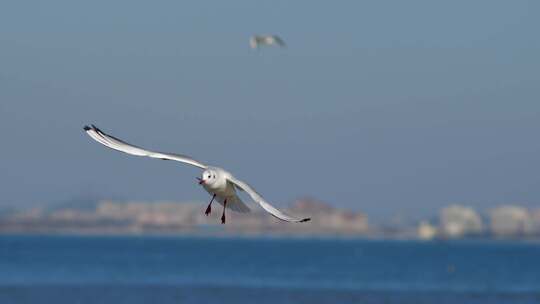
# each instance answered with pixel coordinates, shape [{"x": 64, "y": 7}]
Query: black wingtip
[
  {"x": 306, "y": 220},
  {"x": 87, "y": 128}
]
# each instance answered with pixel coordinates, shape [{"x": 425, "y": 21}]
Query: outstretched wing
[
  {"x": 279, "y": 41},
  {"x": 266, "y": 206},
  {"x": 253, "y": 42},
  {"x": 119, "y": 145}
]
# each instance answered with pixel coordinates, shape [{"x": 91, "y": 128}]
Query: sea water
[{"x": 69, "y": 269}]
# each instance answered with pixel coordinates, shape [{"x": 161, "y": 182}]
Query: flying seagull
[
  {"x": 219, "y": 183},
  {"x": 261, "y": 40}
]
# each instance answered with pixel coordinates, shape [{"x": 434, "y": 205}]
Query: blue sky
[{"x": 390, "y": 107}]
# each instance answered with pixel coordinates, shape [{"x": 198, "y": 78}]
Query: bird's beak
[{"x": 201, "y": 181}]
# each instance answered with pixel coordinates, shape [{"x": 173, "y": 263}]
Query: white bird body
[
  {"x": 268, "y": 40},
  {"x": 219, "y": 183},
  {"x": 215, "y": 181}
]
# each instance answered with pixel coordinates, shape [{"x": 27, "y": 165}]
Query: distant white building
[
  {"x": 457, "y": 221},
  {"x": 511, "y": 221},
  {"x": 426, "y": 231}
]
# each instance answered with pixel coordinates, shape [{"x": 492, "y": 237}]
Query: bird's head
[{"x": 208, "y": 177}]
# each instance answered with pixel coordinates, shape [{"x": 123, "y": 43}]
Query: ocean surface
[{"x": 161, "y": 270}]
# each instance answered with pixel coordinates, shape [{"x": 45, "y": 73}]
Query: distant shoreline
[{"x": 270, "y": 236}]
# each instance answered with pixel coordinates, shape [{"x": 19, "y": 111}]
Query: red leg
[
  {"x": 223, "y": 215},
  {"x": 209, "y": 208}
]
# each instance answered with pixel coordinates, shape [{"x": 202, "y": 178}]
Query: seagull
[
  {"x": 220, "y": 184},
  {"x": 259, "y": 40}
]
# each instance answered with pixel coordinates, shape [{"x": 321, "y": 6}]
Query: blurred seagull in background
[
  {"x": 262, "y": 40},
  {"x": 219, "y": 183}
]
